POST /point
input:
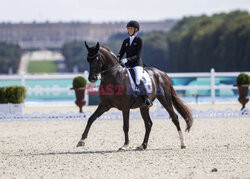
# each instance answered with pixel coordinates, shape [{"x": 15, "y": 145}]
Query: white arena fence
[
  {"x": 157, "y": 113},
  {"x": 212, "y": 75}
]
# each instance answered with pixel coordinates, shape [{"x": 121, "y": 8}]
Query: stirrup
[{"x": 148, "y": 102}]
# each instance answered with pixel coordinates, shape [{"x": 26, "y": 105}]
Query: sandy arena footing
[{"x": 217, "y": 148}]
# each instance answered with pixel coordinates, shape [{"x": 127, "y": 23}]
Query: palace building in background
[{"x": 54, "y": 35}]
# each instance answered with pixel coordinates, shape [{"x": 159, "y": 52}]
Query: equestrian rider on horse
[{"x": 132, "y": 46}]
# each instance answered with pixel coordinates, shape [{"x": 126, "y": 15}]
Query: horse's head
[{"x": 95, "y": 63}]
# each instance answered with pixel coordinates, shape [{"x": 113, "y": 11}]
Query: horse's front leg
[
  {"x": 125, "y": 114},
  {"x": 99, "y": 111}
]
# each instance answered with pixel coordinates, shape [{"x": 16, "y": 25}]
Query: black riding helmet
[{"x": 134, "y": 24}]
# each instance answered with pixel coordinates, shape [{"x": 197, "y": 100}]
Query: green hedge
[
  {"x": 3, "y": 98},
  {"x": 242, "y": 79},
  {"x": 79, "y": 82},
  {"x": 12, "y": 94}
]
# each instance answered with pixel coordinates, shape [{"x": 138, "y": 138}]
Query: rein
[{"x": 112, "y": 68}]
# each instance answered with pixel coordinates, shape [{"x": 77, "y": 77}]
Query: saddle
[{"x": 145, "y": 77}]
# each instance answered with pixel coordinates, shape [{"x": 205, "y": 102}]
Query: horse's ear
[
  {"x": 97, "y": 46},
  {"x": 86, "y": 45}
]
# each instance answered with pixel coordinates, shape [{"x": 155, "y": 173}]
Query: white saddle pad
[{"x": 146, "y": 79}]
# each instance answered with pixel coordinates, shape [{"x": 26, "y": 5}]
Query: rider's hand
[{"x": 124, "y": 60}]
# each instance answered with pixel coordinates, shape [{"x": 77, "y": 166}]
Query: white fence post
[
  {"x": 23, "y": 79},
  {"x": 86, "y": 75},
  {"x": 212, "y": 85}
]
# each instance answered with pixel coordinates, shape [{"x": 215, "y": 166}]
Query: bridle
[
  {"x": 99, "y": 70},
  {"x": 98, "y": 57}
]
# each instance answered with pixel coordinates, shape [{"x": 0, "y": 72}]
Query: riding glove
[{"x": 124, "y": 60}]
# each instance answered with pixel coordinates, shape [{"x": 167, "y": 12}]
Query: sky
[{"x": 112, "y": 10}]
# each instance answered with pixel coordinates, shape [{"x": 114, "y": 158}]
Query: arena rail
[
  {"x": 212, "y": 75},
  {"x": 158, "y": 113}
]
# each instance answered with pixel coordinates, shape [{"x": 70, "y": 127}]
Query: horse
[{"x": 103, "y": 62}]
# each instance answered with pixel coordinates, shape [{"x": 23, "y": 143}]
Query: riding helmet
[{"x": 134, "y": 24}]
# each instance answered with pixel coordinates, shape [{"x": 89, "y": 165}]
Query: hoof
[
  {"x": 123, "y": 148},
  {"x": 81, "y": 143},
  {"x": 183, "y": 147},
  {"x": 141, "y": 147}
]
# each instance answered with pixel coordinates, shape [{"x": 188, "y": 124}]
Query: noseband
[{"x": 91, "y": 57}]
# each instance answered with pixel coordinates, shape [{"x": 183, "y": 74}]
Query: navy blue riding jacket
[{"x": 133, "y": 52}]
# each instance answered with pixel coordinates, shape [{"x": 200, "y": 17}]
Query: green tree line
[
  {"x": 10, "y": 56},
  {"x": 221, "y": 41},
  {"x": 194, "y": 44}
]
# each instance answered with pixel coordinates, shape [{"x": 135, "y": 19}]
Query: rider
[{"x": 132, "y": 46}]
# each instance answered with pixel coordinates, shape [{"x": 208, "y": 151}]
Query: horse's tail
[{"x": 182, "y": 109}]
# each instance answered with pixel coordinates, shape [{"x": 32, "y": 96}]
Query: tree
[
  {"x": 220, "y": 41},
  {"x": 75, "y": 55},
  {"x": 10, "y": 55}
]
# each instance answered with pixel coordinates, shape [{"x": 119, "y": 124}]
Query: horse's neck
[
  {"x": 111, "y": 72},
  {"x": 113, "y": 76},
  {"x": 111, "y": 66},
  {"x": 109, "y": 61}
]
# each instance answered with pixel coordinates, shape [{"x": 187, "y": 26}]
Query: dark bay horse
[{"x": 114, "y": 76}]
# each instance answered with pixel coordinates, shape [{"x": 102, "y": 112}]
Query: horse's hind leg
[
  {"x": 148, "y": 125},
  {"x": 167, "y": 104}
]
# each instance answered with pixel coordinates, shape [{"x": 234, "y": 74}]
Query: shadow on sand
[
  {"x": 88, "y": 152},
  {"x": 67, "y": 153}
]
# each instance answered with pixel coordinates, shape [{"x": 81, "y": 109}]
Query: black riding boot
[{"x": 143, "y": 92}]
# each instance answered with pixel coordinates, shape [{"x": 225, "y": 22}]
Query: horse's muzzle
[{"x": 93, "y": 78}]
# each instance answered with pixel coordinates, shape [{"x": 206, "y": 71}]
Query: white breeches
[{"x": 138, "y": 73}]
